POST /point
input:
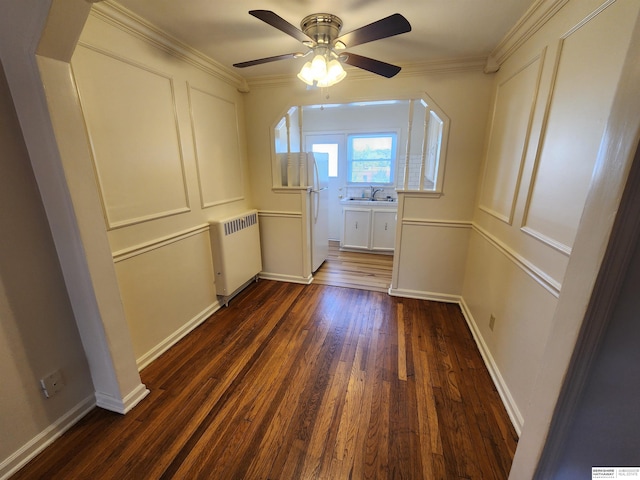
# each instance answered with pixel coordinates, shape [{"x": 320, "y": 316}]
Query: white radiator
[{"x": 235, "y": 247}]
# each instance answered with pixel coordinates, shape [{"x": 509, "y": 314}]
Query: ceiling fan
[{"x": 320, "y": 33}]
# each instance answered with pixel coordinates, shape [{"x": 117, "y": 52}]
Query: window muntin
[{"x": 371, "y": 158}]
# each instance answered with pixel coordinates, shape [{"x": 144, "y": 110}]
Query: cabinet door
[
  {"x": 383, "y": 235},
  {"x": 356, "y": 228}
]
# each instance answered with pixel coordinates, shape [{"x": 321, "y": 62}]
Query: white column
[{"x": 75, "y": 215}]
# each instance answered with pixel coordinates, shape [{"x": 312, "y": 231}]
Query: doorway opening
[{"x": 361, "y": 270}]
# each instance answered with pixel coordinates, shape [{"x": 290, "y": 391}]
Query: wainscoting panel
[
  {"x": 214, "y": 122},
  {"x": 431, "y": 258},
  {"x": 281, "y": 241},
  {"x": 141, "y": 175},
  {"x": 499, "y": 285},
  {"x": 166, "y": 291}
]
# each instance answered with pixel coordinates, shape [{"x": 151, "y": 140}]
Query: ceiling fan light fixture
[
  {"x": 306, "y": 74},
  {"x": 322, "y": 73},
  {"x": 335, "y": 72},
  {"x": 319, "y": 66},
  {"x": 320, "y": 33}
]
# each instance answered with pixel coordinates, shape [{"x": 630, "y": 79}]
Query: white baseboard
[
  {"x": 420, "y": 295},
  {"x": 286, "y": 278},
  {"x": 37, "y": 444},
  {"x": 176, "y": 336},
  {"x": 122, "y": 406},
  {"x": 501, "y": 386}
]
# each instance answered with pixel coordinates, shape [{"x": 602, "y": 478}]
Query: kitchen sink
[{"x": 360, "y": 199}]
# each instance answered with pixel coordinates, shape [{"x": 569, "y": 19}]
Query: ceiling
[{"x": 441, "y": 29}]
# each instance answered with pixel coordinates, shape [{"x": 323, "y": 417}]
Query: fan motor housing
[{"x": 323, "y": 28}]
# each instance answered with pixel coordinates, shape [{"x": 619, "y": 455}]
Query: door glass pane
[{"x": 332, "y": 150}]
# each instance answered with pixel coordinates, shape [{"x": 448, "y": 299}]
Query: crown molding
[
  {"x": 418, "y": 69},
  {"x": 128, "y": 21},
  {"x": 449, "y": 65},
  {"x": 533, "y": 20}
]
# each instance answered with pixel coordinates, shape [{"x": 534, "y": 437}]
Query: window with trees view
[{"x": 371, "y": 158}]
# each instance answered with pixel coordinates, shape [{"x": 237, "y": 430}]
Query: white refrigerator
[{"x": 318, "y": 179}]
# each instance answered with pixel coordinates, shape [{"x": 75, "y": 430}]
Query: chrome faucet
[{"x": 374, "y": 191}]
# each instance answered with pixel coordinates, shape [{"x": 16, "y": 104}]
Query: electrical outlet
[
  {"x": 52, "y": 384},
  {"x": 492, "y": 322}
]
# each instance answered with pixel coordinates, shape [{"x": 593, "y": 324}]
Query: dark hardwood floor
[{"x": 304, "y": 382}]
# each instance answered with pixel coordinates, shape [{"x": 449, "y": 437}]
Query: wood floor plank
[
  {"x": 427, "y": 418},
  {"x": 355, "y": 405},
  {"x": 318, "y": 443},
  {"x": 402, "y": 349},
  {"x": 293, "y": 381},
  {"x": 428, "y": 368}
]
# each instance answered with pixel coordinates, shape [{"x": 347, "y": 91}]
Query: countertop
[{"x": 365, "y": 202}]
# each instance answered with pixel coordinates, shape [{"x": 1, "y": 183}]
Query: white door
[{"x": 335, "y": 145}]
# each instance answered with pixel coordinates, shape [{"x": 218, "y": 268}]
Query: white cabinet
[
  {"x": 356, "y": 228},
  {"x": 372, "y": 229},
  {"x": 383, "y": 230}
]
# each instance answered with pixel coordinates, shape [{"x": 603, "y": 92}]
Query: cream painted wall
[
  {"x": 38, "y": 333},
  {"x": 551, "y": 100},
  {"x": 463, "y": 95},
  {"x": 168, "y": 153}
]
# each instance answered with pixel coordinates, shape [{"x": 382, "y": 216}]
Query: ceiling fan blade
[
  {"x": 386, "y": 27},
  {"x": 371, "y": 65},
  {"x": 280, "y": 23},
  {"x": 275, "y": 58}
]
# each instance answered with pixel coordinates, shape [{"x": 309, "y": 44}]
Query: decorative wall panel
[
  {"x": 587, "y": 69},
  {"x": 131, "y": 122},
  {"x": 215, "y": 133},
  {"x": 511, "y": 125}
]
